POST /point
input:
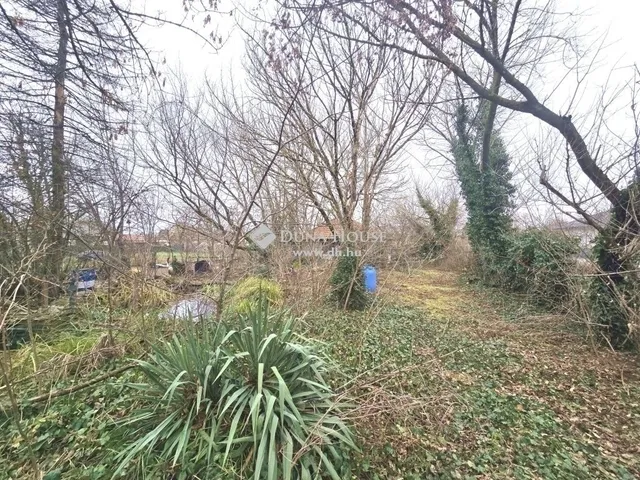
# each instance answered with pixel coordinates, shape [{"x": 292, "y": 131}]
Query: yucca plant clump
[
  {"x": 247, "y": 293},
  {"x": 249, "y": 402},
  {"x": 177, "y": 424}
]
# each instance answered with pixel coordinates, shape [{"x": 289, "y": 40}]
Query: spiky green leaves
[{"x": 242, "y": 402}]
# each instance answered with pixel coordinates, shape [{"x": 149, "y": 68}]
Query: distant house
[
  {"x": 183, "y": 237},
  {"x": 333, "y": 232},
  {"x": 134, "y": 239},
  {"x": 87, "y": 233},
  {"x": 582, "y": 230}
]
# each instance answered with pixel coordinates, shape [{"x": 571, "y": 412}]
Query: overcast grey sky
[
  {"x": 617, "y": 18},
  {"x": 614, "y": 20}
]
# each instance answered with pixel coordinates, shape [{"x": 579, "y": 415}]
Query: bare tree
[
  {"x": 202, "y": 150},
  {"x": 64, "y": 62},
  {"x": 107, "y": 194},
  {"x": 360, "y": 107}
]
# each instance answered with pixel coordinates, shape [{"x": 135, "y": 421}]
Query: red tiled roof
[{"x": 323, "y": 231}]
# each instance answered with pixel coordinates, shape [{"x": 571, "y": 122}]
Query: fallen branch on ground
[{"x": 75, "y": 388}]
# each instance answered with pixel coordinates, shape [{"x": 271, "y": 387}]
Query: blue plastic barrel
[{"x": 370, "y": 278}]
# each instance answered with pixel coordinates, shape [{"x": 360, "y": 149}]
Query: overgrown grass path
[{"x": 454, "y": 382}]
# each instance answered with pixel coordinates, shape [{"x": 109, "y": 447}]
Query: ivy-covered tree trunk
[
  {"x": 347, "y": 283},
  {"x": 442, "y": 223},
  {"x": 487, "y": 191},
  {"x": 616, "y": 291}
]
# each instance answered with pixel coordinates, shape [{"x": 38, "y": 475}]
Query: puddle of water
[{"x": 194, "y": 309}]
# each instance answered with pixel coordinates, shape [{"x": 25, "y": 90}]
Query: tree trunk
[
  {"x": 56, "y": 234},
  {"x": 616, "y": 283}
]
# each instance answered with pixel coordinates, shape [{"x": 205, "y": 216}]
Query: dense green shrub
[
  {"x": 247, "y": 402},
  {"x": 347, "y": 284},
  {"x": 248, "y": 292},
  {"x": 536, "y": 262},
  {"x": 286, "y": 421},
  {"x": 540, "y": 263},
  {"x": 442, "y": 224},
  {"x": 609, "y": 294}
]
